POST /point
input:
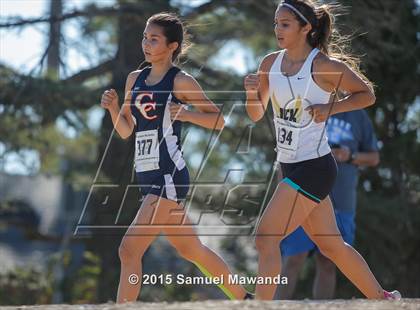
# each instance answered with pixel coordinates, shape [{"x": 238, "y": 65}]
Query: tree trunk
[{"x": 53, "y": 60}]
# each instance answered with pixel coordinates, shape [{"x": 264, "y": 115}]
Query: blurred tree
[
  {"x": 31, "y": 106},
  {"x": 25, "y": 285},
  {"x": 56, "y": 8}
]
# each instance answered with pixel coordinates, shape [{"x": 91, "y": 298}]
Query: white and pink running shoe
[{"x": 394, "y": 295}]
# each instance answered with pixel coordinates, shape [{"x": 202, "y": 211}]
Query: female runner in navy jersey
[
  {"x": 300, "y": 80},
  {"x": 153, "y": 110}
]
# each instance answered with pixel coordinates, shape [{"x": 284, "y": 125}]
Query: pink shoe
[{"x": 394, "y": 295}]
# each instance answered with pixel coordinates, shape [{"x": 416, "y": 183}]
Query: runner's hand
[
  {"x": 319, "y": 112},
  {"x": 252, "y": 82},
  {"x": 178, "y": 112},
  {"x": 109, "y": 99}
]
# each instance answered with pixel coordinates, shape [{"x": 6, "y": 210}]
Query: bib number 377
[{"x": 147, "y": 150}]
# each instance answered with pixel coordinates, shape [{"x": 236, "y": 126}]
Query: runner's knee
[
  {"x": 129, "y": 251},
  {"x": 267, "y": 244},
  {"x": 332, "y": 247},
  {"x": 191, "y": 251}
]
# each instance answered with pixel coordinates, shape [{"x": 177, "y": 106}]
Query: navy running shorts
[
  {"x": 173, "y": 186},
  {"x": 313, "y": 178}
]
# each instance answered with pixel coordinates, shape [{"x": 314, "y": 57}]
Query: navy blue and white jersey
[{"x": 158, "y": 155}]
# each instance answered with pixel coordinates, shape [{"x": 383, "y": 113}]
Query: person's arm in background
[
  {"x": 368, "y": 154},
  {"x": 366, "y": 159}
]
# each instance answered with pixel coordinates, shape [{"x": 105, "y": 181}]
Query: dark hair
[
  {"x": 324, "y": 34},
  {"x": 174, "y": 31}
]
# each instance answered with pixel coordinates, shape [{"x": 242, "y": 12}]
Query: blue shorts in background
[{"x": 298, "y": 241}]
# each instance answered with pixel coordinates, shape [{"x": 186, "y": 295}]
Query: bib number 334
[{"x": 287, "y": 138}]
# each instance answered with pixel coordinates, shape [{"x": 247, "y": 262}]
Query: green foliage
[
  {"x": 31, "y": 107},
  {"x": 82, "y": 285},
  {"x": 391, "y": 52},
  {"x": 25, "y": 286},
  {"x": 394, "y": 225},
  {"x": 30, "y": 285}
]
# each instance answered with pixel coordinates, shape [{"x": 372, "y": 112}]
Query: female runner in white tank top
[{"x": 300, "y": 81}]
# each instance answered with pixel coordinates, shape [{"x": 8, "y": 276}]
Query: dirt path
[{"x": 356, "y": 304}]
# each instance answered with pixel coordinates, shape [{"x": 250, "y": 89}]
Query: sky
[
  {"x": 30, "y": 42},
  {"x": 23, "y": 49}
]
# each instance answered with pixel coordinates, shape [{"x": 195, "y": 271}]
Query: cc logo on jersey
[{"x": 145, "y": 107}]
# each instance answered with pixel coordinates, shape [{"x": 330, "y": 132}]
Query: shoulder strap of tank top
[
  {"x": 170, "y": 77},
  {"x": 308, "y": 62},
  {"x": 172, "y": 73},
  {"x": 142, "y": 76},
  {"x": 276, "y": 66},
  {"x": 145, "y": 72}
]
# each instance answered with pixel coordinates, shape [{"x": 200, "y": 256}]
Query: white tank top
[{"x": 298, "y": 137}]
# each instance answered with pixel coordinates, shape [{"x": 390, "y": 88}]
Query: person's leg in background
[
  {"x": 292, "y": 265},
  {"x": 294, "y": 250},
  {"x": 325, "y": 278}
]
